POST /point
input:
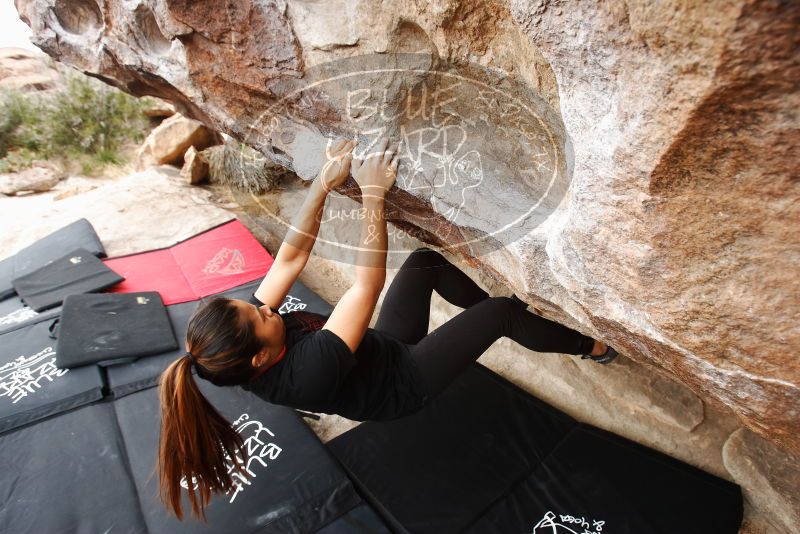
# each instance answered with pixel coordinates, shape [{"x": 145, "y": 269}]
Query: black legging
[{"x": 448, "y": 350}]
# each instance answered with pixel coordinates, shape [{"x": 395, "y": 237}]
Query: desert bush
[
  {"x": 236, "y": 164},
  {"x": 87, "y": 121}
]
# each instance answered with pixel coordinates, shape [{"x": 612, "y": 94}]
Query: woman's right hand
[{"x": 377, "y": 171}]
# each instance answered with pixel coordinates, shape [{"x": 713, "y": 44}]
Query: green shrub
[
  {"x": 19, "y": 118},
  {"x": 87, "y": 122}
]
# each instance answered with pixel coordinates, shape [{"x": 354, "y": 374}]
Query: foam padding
[
  {"x": 298, "y": 298},
  {"x": 127, "y": 378},
  {"x": 15, "y": 313},
  {"x": 107, "y": 327},
  {"x": 31, "y": 386},
  {"x": 6, "y": 276},
  {"x": 485, "y": 456},
  {"x": 208, "y": 263},
  {"x": 79, "y": 234},
  {"x": 67, "y": 474},
  {"x": 124, "y": 379},
  {"x": 466, "y": 449},
  {"x": 152, "y": 271},
  {"x": 360, "y": 520},
  {"x": 595, "y": 481},
  {"x": 294, "y": 484},
  {"x": 78, "y": 271}
]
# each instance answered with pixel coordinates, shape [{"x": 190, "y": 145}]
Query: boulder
[
  {"x": 170, "y": 139},
  {"x": 24, "y": 70},
  {"x": 638, "y": 157},
  {"x": 41, "y": 177},
  {"x": 195, "y": 167},
  {"x": 158, "y": 109},
  {"x": 770, "y": 478}
]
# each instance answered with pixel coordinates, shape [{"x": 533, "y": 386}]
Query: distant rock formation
[
  {"x": 655, "y": 144},
  {"x": 27, "y": 71}
]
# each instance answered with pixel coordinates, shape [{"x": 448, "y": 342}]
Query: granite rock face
[
  {"x": 654, "y": 143},
  {"x": 768, "y": 476}
]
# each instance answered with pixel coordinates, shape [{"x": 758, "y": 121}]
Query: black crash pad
[
  {"x": 31, "y": 386},
  {"x": 76, "y": 272},
  {"x": 127, "y": 378},
  {"x": 360, "y": 520},
  {"x": 486, "y": 456},
  {"x": 124, "y": 379},
  {"x": 68, "y": 474},
  {"x": 79, "y": 234},
  {"x": 298, "y": 298},
  {"x": 595, "y": 481},
  {"x": 6, "y": 275},
  {"x": 297, "y": 486},
  {"x": 99, "y": 328},
  {"x": 15, "y": 313}
]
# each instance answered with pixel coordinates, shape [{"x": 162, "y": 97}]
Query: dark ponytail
[{"x": 197, "y": 444}]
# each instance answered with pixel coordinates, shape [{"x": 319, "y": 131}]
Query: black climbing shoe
[{"x": 605, "y": 358}]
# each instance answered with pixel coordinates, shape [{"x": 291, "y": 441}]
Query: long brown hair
[{"x": 197, "y": 444}]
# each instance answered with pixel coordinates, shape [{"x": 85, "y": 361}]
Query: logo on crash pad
[
  {"x": 260, "y": 450},
  {"x": 76, "y": 260},
  {"x": 567, "y": 524},
  {"x": 27, "y": 374},
  {"x": 226, "y": 261}
]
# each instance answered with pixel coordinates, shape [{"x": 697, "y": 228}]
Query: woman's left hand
[{"x": 338, "y": 154}]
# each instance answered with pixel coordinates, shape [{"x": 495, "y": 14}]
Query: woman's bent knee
[
  {"x": 502, "y": 303},
  {"x": 424, "y": 257}
]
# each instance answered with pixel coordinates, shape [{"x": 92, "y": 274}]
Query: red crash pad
[{"x": 213, "y": 261}]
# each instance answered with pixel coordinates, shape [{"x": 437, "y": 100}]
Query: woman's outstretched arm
[
  {"x": 296, "y": 247},
  {"x": 350, "y": 318}
]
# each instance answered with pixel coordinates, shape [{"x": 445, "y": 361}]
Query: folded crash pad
[
  {"x": 127, "y": 378},
  {"x": 485, "y": 456},
  {"x": 78, "y": 271},
  {"x": 31, "y": 386},
  {"x": 208, "y": 263},
  {"x": 294, "y": 485},
  {"x": 79, "y": 234},
  {"x": 106, "y": 327}
]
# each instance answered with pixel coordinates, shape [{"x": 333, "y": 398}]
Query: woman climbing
[{"x": 335, "y": 364}]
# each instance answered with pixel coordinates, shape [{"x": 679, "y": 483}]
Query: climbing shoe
[{"x": 605, "y": 358}]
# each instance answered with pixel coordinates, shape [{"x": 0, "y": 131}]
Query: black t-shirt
[{"x": 318, "y": 373}]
